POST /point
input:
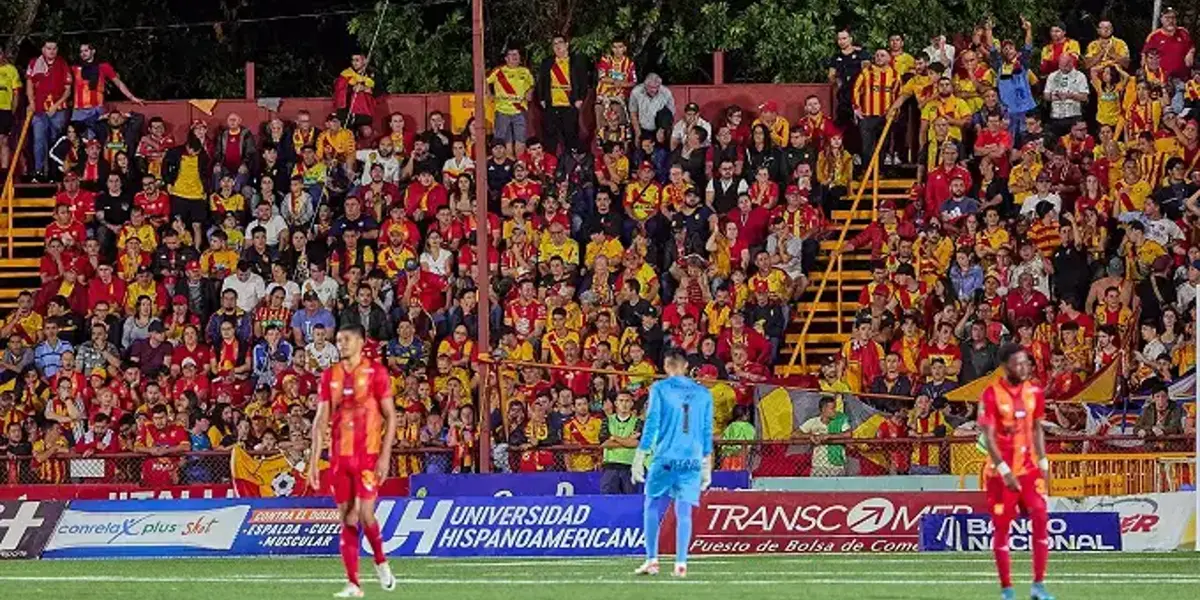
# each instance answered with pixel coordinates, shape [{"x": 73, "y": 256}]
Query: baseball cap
[
  {"x": 887, "y": 205},
  {"x": 769, "y": 106},
  {"x": 792, "y": 189},
  {"x": 692, "y": 107},
  {"x": 179, "y": 299},
  {"x": 188, "y": 362},
  {"x": 646, "y": 165},
  {"x": 99, "y": 372}
]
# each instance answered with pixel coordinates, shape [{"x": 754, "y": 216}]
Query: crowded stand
[{"x": 191, "y": 287}]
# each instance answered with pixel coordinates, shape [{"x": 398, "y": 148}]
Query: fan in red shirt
[
  {"x": 153, "y": 202},
  {"x": 164, "y": 441},
  {"x": 66, "y": 229},
  {"x": 101, "y": 439},
  {"x": 356, "y": 402},
  {"x": 1011, "y": 414},
  {"x": 81, "y": 201}
]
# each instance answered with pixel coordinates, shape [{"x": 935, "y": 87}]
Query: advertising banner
[
  {"x": 26, "y": 526},
  {"x": 1078, "y": 532},
  {"x": 114, "y": 491},
  {"x": 151, "y": 528},
  {"x": 537, "y": 484},
  {"x": 1149, "y": 522},
  {"x": 772, "y": 522},
  {"x": 462, "y": 527},
  {"x": 443, "y": 527}
]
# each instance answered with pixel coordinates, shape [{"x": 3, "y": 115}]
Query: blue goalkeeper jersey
[{"x": 679, "y": 421}]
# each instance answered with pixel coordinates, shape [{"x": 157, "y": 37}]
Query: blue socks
[
  {"x": 653, "y": 510},
  {"x": 683, "y": 531}
]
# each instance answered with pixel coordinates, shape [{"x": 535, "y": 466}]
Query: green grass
[{"x": 833, "y": 577}]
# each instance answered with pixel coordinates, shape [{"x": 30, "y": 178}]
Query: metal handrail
[
  {"x": 9, "y": 187},
  {"x": 870, "y": 174}
]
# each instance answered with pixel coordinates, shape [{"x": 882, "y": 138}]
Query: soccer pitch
[{"x": 836, "y": 577}]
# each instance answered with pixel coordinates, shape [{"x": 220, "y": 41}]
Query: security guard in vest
[{"x": 619, "y": 435}]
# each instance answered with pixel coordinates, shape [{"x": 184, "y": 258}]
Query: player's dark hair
[
  {"x": 158, "y": 409},
  {"x": 354, "y": 329},
  {"x": 674, "y": 354},
  {"x": 1007, "y": 351}
]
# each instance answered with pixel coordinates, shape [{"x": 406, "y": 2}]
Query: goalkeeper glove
[
  {"x": 639, "y": 467},
  {"x": 706, "y": 473}
]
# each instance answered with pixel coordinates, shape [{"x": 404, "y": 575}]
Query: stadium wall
[{"x": 179, "y": 114}]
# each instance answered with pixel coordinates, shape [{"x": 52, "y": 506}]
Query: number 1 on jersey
[{"x": 687, "y": 417}]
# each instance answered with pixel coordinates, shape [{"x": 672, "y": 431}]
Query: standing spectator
[
  {"x": 1066, "y": 89},
  {"x": 651, "y": 110},
  {"x": 939, "y": 52},
  {"x": 90, "y": 78},
  {"x": 48, "y": 80},
  {"x": 619, "y": 435},
  {"x": 874, "y": 92},
  {"x": 844, "y": 67},
  {"x": 10, "y": 99},
  {"x": 561, "y": 87},
  {"x": 615, "y": 77},
  {"x": 354, "y": 93},
  {"x": 1060, "y": 45},
  {"x": 1106, "y": 50},
  {"x": 1176, "y": 53},
  {"x": 828, "y": 460},
  {"x": 183, "y": 172},
  {"x": 234, "y": 154},
  {"x": 511, "y": 86},
  {"x": 1011, "y": 65}
]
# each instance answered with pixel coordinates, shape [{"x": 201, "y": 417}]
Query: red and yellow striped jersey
[{"x": 875, "y": 90}]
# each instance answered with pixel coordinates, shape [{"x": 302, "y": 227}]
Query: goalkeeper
[{"x": 678, "y": 432}]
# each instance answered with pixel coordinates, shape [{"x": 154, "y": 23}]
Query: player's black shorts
[
  {"x": 191, "y": 211},
  {"x": 6, "y": 122}
]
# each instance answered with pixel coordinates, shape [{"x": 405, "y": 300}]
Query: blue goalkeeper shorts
[{"x": 678, "y": 479}]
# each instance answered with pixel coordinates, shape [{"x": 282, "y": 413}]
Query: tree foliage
[
  {"x": 425, "y": 45},
  {"x": 413, "y": 57}
]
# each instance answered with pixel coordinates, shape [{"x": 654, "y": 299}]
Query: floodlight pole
[{"x": 483, "y": 283}]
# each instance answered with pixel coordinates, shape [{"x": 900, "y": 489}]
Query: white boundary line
[{"x": 840, "y": 581}]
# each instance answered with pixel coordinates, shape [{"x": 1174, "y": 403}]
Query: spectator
[
  {"x": 651, "y": 110},
  {"x": 511, "y": 85},
  {"x": 354, "y": 93},
  {"x": 10, "y": 100},
  {"x": 1066, "y": 89},
  {"x": 90, "y": 78},
  {"x": 828, "y": 460},
  {"x": 1176, "y": 51},
  {"x": 561, "y": 87},
  {"x": 1161, "y": 416},
  {"x": 616, "y": 76},
  {"x": 875, "y": 91},
  {"x": 844, "y": 67},
  {"x": 48, "y": 87}
]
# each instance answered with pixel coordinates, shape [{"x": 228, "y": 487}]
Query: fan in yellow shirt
[
  {"x": 557, "y": 243},
  {"x": 335, "y": 140},
  {"x": 602, "y": 245},
  {"x": 946, "y": 104}
]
